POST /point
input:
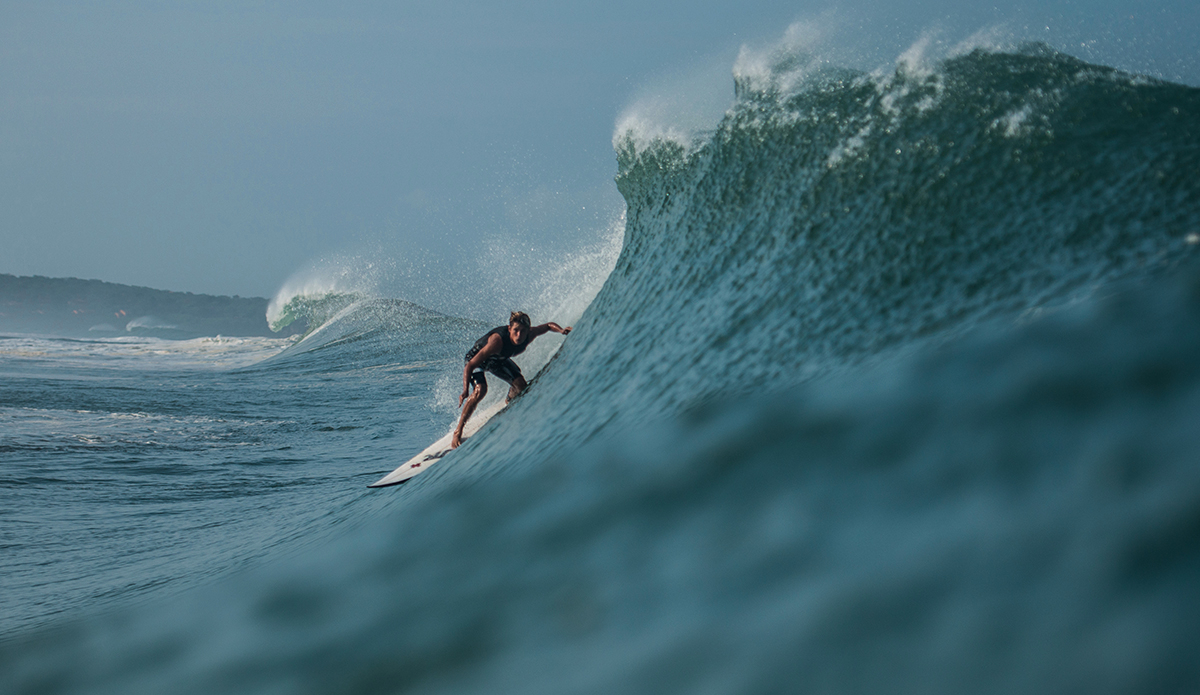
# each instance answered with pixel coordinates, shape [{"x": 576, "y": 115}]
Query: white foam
[
  {"x": 1014, "y": 123},
  {"x": 215, "y": 352},
  {"x": 146, "y": 322},
  {"x": 784, "y": 65},
  {"x": 992, "y": 39},
  {"x": 678, "y": 108},
  {"x": 850, "y": 147}
]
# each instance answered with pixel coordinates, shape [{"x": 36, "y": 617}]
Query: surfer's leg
[
  {"x": 518, "y": 385},
  {"x": 477, "y": 395},
  {"x": 508, "y": 370}
]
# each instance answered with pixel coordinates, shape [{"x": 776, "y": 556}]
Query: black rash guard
[
  {"x": 507, "y": 348},
  {"x": 500, "y": 363}
]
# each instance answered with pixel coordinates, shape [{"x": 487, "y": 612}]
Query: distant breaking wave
[
  {"x": 316, "y": 310},
  {"x": 365, "y": 331},
  {"x": 148, "y": 322},
  {"x": 319, "y": 293}
]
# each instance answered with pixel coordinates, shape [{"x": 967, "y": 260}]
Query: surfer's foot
[{"x": 456, "y": 440}]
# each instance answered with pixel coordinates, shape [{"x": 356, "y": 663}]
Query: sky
[{"x": 225, "y": 147}]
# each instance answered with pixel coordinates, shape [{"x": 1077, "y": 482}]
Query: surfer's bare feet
[{"x": 456, "y": 440}]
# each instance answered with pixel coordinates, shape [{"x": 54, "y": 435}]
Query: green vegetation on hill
[{"x": 73, "y": 307}]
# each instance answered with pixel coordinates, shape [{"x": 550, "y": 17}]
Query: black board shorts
[{"x": 502, "y": 367}]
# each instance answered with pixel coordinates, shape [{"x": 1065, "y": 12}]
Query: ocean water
[{"x": 893, "y": 387}]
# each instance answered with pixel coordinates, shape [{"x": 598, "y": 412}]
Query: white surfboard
[{"x": 434, "y": 452}]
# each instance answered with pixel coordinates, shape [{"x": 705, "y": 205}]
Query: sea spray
[{"x": 551, "y": 288}]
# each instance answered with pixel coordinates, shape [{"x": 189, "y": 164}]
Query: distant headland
[{"x": 71, "y": 307}]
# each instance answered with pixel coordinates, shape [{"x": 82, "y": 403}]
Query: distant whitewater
[{"x": 893, "y": 388}]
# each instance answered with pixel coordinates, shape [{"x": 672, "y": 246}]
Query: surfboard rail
[{"x": 436, "y": 451}]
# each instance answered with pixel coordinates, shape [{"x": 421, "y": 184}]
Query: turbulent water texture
[
  {"x": 757, "y": 260},
  {"x": 141, "y": 465},
  {"x": 892, "y": 389}
]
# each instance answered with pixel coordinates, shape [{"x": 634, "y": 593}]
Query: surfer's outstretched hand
[{"x": 461, "y": 397}]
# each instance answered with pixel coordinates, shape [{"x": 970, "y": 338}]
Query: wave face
[
  {"x": 850, "y": 217},
  {"x": 892, "y": 388}
]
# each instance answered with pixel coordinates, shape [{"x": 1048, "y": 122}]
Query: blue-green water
[{"x": 893, "y": 388}]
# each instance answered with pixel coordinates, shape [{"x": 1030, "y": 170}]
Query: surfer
[{"x": 493, "y": 353}]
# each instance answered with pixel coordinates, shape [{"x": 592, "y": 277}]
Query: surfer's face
[{"x": 517, "y": 331}]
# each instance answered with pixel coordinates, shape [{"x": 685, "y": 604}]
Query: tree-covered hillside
[{"x": 73, "y": 307}]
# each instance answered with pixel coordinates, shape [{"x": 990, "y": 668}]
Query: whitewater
[{"x": 888, "y": 384}]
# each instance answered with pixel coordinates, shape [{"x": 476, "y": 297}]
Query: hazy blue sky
[{"x": 220, "y": 147}]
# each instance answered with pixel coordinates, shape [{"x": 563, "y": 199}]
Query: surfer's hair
[{"x": 519, "y": 317}]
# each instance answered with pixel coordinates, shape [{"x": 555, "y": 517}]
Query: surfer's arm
[{"x": 547, "y": 328}]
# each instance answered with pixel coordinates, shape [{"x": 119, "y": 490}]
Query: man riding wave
[{"x": 493, "y": 353}]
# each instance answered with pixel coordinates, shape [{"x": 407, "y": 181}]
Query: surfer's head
[{"x": 518, "y": 326}]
